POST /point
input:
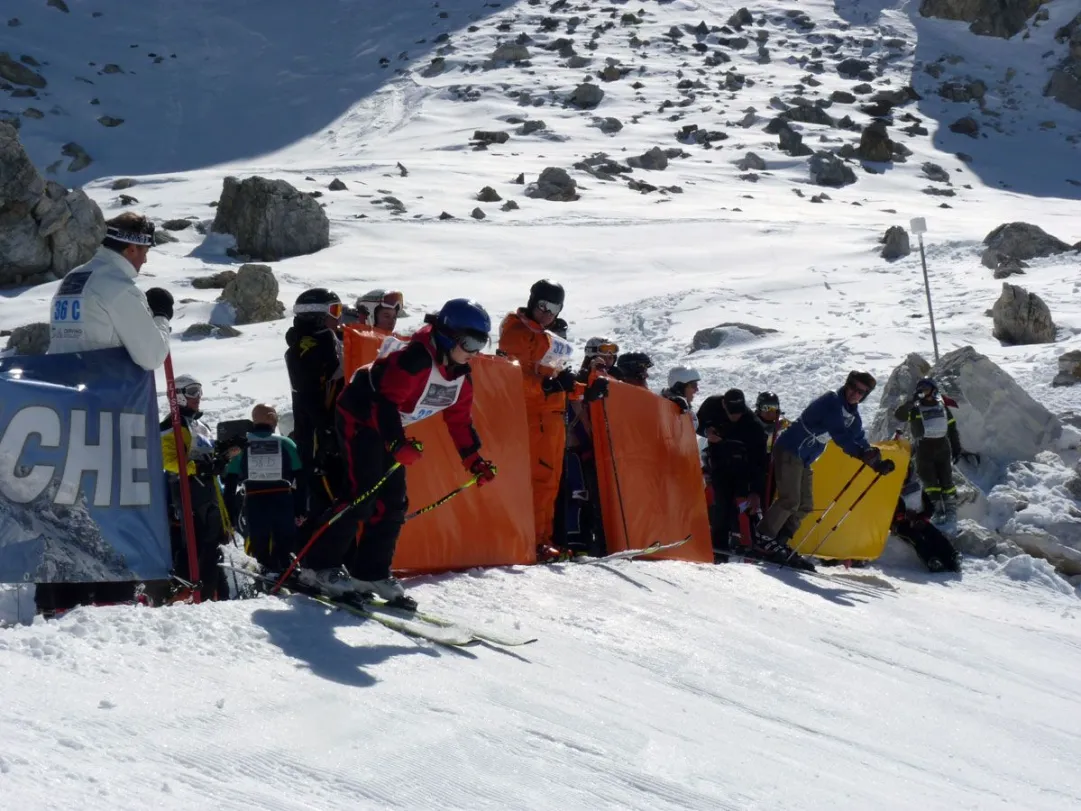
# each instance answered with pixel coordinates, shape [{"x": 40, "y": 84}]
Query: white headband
[{"x": 130, "y": 237}]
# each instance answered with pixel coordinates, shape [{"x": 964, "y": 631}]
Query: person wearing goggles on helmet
[
  {"x": 600, "y": 356},
  {"x": 381, "y": 309},
  {"x": 938, "y": 445},
  {"x": 533, "y": 336},
  {"x": 430, "y": 375},
  {"x": 314, "y": 362},
  {"x": 767, "y": 411}
]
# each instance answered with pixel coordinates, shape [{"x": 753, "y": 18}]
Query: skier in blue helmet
[{"x": 407, "y": 383}]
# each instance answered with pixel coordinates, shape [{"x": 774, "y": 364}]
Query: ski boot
[
  {"x": 389, "y": 589},
  {"x": 334, "y": 582},
  {"x": 546, "y": 553},
  {"x": 776, "y": 550}
]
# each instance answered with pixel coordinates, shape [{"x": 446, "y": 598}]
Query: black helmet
[
  {"x": 926, "y": 383},
  {"x": 865, "y": 379},
  {"x": 316, "y": 303},
  {"x": 547, "y": 291},
  {"x": 634, "y": 364},
  {"x": 733, "y": 401},
  {"x": 767, "y": 399}
]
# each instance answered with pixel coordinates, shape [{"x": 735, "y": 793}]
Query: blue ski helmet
[{"x": 462, "y": 321}]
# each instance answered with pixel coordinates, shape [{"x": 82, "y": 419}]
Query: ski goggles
[
  {"x": 768, "y": 409},
  {"x": 391, "y": 299},
  {"x": 192, "y": 390},
  {"x": 334, "y": 309},
  {"x": 144, "y": 237},
  {"x": 550, "y": 307},
  {"x": 472, "y": 342},
  {"x": 605, "y": 349}
]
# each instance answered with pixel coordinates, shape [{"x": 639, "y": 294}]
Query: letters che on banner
[{"x": 82, "y": 491}]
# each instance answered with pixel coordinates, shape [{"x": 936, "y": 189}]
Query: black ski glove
[
  {"x": 971, "y": 458},
  {"x": 161, "y": 302},
  {"x": 562, "y": 382},
  {"x": 871, "y": 457},
  {"x": 883, "y": 467},
  {"x": 597, "y": 390}
]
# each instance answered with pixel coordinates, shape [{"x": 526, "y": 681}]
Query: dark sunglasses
[
  {"x": 550, "y": 307},
  {"x": 194, "y": 391}
]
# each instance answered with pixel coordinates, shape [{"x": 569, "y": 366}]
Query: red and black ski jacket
[{"x": 378, "y": 394}]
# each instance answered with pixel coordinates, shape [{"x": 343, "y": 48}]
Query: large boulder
[
  {"x": 898, "y": 388},
  {"x": 553, "y": 184},
  {"x": 995, "y": 416},
  {"x": 875, "y": 143},
  {"x": 1069, "y": 369},
  {"x": 829, "y": 170},
  {"x": 1021, "y": 317},
  {"x": 253, "y": 295},
  {"x": 31, "y": 339},
  {"x": 729, "y": 333},
  {"x": 586, "y": 96},
  {"x": 1022, "y": 240},
  {"x": 993, "y": 18},
  {"x": 45, "y": 230},
  {"x": 895, "y": 243},
  {"x": 270, "y": 219}
]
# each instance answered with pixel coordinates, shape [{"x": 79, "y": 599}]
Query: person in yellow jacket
[
  {"x": 211, "y": 520},
  {"x": 530, "y": 337}
]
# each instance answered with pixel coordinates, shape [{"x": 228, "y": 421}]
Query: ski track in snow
[{"x": 653, "y": 686}]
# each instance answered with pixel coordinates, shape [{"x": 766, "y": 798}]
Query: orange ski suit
[{"x": 524, "y": 340}]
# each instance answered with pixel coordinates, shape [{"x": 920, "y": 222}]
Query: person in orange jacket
[{"x": 529, "y": 337}]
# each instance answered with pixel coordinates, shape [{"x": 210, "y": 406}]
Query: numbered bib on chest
[
  {"x": 391, "y": 343},
  {"x": 438, "y": 394},
  {"x": 558, "y": 354},
  {"x": 264, "y": 460}
]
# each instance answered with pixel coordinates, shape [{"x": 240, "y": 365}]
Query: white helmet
[
  {"x": 186, "y": 386},
  {"x": 684, "y": 375},
  {"x": 601, "y": 346},
  {"x": 374, "y": 299}
]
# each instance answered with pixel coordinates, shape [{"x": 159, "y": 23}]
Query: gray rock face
[
  {"x": 45, "y": 230},
  {"x": 215, "y": 281},
  {"x": 553, "y": 184},
  {"x": 1069, "y": 370},
  {"x": 829, "y": 170},
  {"x": 898, "y": 387},
  {"x": 31, "y": 339},
  {"x": 586, "y": 96},
  {"x": 254, "y": 295},
  {"x": 1021, "y": 317},
  {"x": 995, "y": 416},
  {"x": 1022, "y": 240},
  {"x": 1065, "y": 84},
  {"x": 895, "y": 243},
  {"x": 729, "y": 333},
  {"x": 270, "y": 219},
  {"x": 993, "y": 18}
]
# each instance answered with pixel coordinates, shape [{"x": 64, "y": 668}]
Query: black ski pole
[
  {"x": 825, "y": 512},
  {"x": 848, "y": 512},
  {"x": 615, "y": 473}
]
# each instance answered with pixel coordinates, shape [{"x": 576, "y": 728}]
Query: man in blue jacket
[{"x": 835, "y": 416}]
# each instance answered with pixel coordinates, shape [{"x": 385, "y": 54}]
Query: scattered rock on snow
[
  {"x": 829, "y": 170},
  {"x": 553, "y": 184},
  {"x": 608, "y": 125},
  {"x": 30, "y": 339},
  {"x": 935, "y": 173},
  {"x": 586, "y": 96},
  {"x": 751, "y": 161},
  {"x": 215, "y": 281},
  {"x": 1069, "y": 370},
  {"x": 254, "y": 295},
  {"x": 477, "y": 214},
  {"x": 875, "y": 143},
  {"x": 531, "y": 126},
  {"x": 654, "y": 159},
  {"x": 895, "y": 243},
  {"x": 270, "y": 219},
  {"x": 510, "y": 52},
  {"x": 336, "y": 185},
  {"x": 728, "y": 333},
  {"x": 966, "y": 126},
  {"x": 1022, "y": 240},
  {"x": 491, "y": 136},
  {"x": 1021, "y": 317},
  {"x": 11, "y": 70},
  {"x": 122, "y": 183},
  {"x": 488, "y": 195}
]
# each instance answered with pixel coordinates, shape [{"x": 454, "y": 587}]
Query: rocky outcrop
[
  {"x": 253, "y": 295},
  {"x": 45, "y": 230},
  {"x": 270, "y": 219},
  {"x": 727, "y": 334},
  {"x": 895, "y": 243},
  {"x": 875, "y": 143},
  {"x": 1065, "y": 83},
  {"x": 1021, "y": 317},
  {"x": 898, "y": 388},
  {"x": 992, "y": 18},
  {"x": 1069, "y": 369},
  {"x": 586, "y": 96},
  {"x": 829, "y": 170}
]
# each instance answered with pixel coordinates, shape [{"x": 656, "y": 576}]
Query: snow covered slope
[{"x": 653, "y": 686}]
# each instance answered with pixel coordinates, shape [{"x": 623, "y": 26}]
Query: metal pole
[{"x": 927, "y": 287}]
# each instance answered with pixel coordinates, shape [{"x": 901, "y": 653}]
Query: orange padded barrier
[
  {"x": 659, "y": 473},
  {"x": 490, "y": 526}
]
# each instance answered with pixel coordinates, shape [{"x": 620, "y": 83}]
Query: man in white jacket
[{"x": 98, "y": 306}]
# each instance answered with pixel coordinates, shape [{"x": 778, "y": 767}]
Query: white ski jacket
[{"x": 98, "y": 306}]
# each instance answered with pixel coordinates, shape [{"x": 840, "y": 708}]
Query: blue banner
[{"x": 82, "y": 492}]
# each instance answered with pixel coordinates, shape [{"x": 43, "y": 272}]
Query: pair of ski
[
  {"x": 628, "y": 554},
  {"x": 869, "y": 581},
  {"x": 417, "y": 624}
]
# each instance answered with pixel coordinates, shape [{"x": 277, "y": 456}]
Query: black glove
[
  {"x": 562, "y": 382},
  {"x": 161, "y": 302},
  {"x": 871, "y": 457},
  {"x": 596, "y": 390},
  {"x": 972, "y": 458},
  {"x": 208, "y": 466},
  {"x": 883, "y": 467}
]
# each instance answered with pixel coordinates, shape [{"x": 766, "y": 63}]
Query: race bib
[
  {"x": 264, "y": 460},
  {"x": 559, "y": 353},
  {"x": 439, "y": 394},
  {"x": 391, "y": 343}
]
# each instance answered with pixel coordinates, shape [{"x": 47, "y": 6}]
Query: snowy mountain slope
[{"x": 659, "y": 686}]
